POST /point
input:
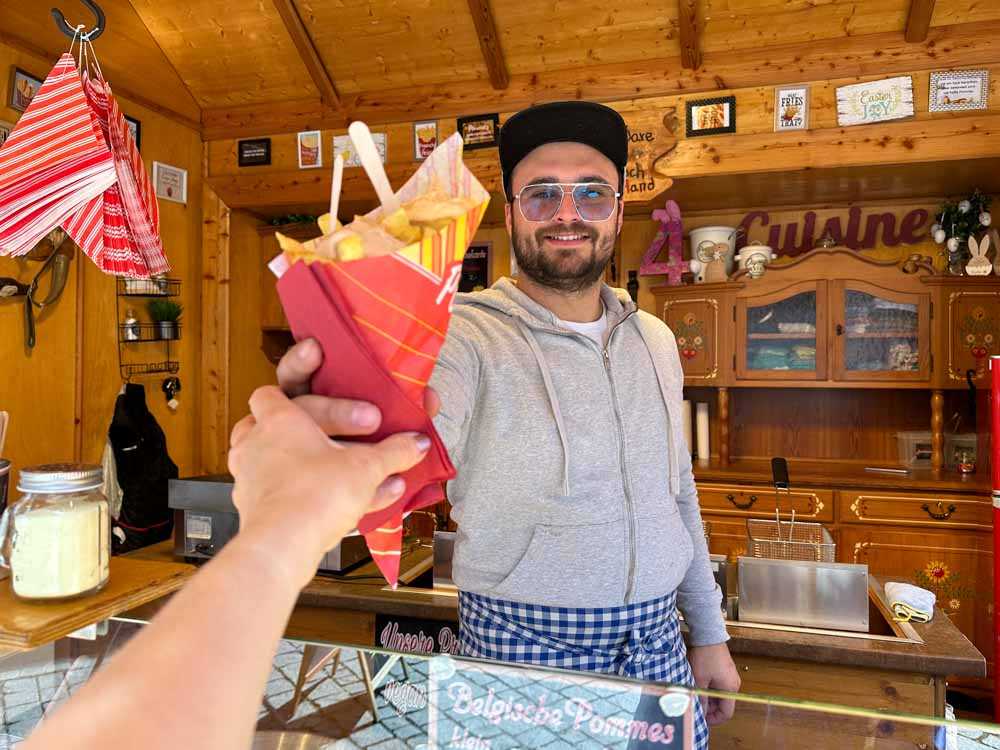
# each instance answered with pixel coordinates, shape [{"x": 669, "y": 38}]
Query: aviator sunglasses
[{"x": 594, "y": 201}]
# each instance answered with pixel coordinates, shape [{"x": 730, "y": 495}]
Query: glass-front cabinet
[
  {"x": 783, "y": 335},
  {"x": 879, "y": 334}
]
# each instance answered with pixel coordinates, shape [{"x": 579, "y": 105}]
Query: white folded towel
[{"x": 910, "y": 603}]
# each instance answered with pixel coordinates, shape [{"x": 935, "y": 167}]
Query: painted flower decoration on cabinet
[
  {"x": 690, "y": 336},
  {"x": 937, "y": 571},
  {"x": 977, "y": 332},
  {"x": 954, "y": 604}
]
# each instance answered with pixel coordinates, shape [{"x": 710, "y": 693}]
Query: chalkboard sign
[{"x": 254, "y": 153}]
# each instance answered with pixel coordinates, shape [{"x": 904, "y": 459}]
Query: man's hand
[
  {"x": 713, "y": 669},
  {"x": 298, "y": 492},
  {"x": 296, "y": 369}
]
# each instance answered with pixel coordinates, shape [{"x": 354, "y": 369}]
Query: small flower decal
[
  {"x": 954, "y": 604},
  {"x": 937, "y": 571}
]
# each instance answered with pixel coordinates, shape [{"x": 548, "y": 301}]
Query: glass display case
[
  {"x": 782, "y": 335},
  {"x": 323, "y": 695},
  {"x": 880, "y": 333}
]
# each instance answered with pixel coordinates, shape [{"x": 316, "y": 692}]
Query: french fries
[{"x": 429, "y": 212}]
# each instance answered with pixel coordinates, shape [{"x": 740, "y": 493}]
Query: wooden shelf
[
  {"x": 835, "y": 474},
  {"x": 883, "y": 335},
  {"x": 132, "y": 583},
  {"x": 782, "y": 336}
]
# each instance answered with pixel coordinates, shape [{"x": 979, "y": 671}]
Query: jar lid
[{"x": 55, "y": 478}]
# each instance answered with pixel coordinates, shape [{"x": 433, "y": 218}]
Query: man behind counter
[{"x": 579, "y": 531}]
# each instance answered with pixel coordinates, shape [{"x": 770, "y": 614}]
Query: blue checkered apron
[{"x": 642, "y": 641}]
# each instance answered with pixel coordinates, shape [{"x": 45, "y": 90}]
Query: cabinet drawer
[
  {"x": 749, "y": 501},
  {"x": 905, "y": 509}
]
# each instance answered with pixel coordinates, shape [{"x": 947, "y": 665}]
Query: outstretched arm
[{"x": 298, "y": 493}]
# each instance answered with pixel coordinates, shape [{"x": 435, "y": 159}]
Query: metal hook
[{"x": 71, "y": 31}]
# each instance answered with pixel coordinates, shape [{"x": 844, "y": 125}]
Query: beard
[{"x": 565, "y": 269}]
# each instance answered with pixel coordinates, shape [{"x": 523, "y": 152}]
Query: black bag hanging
[{"x": 143, "y": 468}]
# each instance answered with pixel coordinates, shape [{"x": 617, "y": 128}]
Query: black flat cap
[{"x": 589, "y": 123}]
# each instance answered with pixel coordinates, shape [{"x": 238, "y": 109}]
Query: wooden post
[
  {"x": 214, "y": 330},
  {"x": 687, "y": 22},
  {"x": 489, "y": 43},
  {"x": 937, "y": 430},
  {"x": 723, "y": 425},
  {"x": 918, "y": 21}
]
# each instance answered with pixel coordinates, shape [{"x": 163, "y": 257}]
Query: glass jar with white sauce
[{"x": 55, "y": 538}]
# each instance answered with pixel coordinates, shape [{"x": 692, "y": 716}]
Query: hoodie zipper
[{"x": 630, "y": 529}]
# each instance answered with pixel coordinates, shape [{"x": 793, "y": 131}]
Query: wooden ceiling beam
[
  {"x": 307, "y": 51},
  {"x": 865, "y": 55},
  {"x": 687, "y": 23},
  {"x": 489, "y": 43},
  {"x": 918, "y": 22}
]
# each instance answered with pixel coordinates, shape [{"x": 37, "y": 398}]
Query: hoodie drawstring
[
  {"x": 553, "y": 400},
  {"x": 673, "y": 465}
]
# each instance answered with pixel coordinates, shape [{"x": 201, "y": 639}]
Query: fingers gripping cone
[{"x": 377, "y": 295}]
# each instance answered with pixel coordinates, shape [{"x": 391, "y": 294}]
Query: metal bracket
[{"x": 71, "y": 31}]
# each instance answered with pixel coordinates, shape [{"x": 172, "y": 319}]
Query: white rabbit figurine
[{"x": 980, "y": 264}]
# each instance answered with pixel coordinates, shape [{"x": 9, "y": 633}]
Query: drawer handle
[
  {"x": 942, "y": 514},
  {"x": 742, "y": 506}
]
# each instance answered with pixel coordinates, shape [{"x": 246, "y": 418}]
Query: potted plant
[{"x": 166, "y": 314}]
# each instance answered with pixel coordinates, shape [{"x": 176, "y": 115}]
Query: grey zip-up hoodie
[{"x": 574, "y": 484}]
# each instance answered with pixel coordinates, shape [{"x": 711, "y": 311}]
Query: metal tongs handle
[{"x": 779, "y": 477}]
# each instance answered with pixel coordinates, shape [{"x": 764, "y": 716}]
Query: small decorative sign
[
  {"x": 475, "y": 268},
  {"x": 481, "y": 131},
  {"x": 413, "y": 635},
  {"x": 310, "y": 149},
  {"x": 425, "y": 139},
  {"x": 343, "y": 145},
  {"x": 6, "y": 128},
  {"x": 955, "y": 90},
  {"x": 170, "y": 182},
  {"x": 878, "y": 101},
  {"x": 135, "y": 128},
  {"x": 711, "y": 116},
  {"x": 23, "y": 87},
  {"x": 255, "y": 152},
  {"x": 473, "y": 705},
  {"x": 791, "y": 108}
]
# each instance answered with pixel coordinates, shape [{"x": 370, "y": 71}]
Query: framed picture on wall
[
  {"x": 23, "y": 87},
  {"x": 135, "y": 128},
  {"x": 170, "y": 182},
  {"x": 791, "y": 108},
  {"x": 711, "y": 116},
  {"x": 425, "y": 139},
  {"x": 476, "y": 268},
  {"x": 481, "y": 131},
  {"x": 954, "y": 90},
  {"x": 6, "y": 128},
  {"x": 310, "y": 144}
]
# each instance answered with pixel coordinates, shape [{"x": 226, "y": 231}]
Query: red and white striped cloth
[
  {"x": 100, "y": 227},
  {"x": 53, "y": 164}
]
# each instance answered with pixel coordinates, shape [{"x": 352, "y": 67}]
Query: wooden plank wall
[{"x": 39, "y": 389}]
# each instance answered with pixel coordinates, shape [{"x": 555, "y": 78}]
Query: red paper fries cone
[{"x": 381, "y": 322}]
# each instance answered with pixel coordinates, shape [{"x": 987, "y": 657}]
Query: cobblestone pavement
[{"x": 333, "y": 704}]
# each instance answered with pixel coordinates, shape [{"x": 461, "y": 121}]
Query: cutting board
[{"x": 132, "y": 583}]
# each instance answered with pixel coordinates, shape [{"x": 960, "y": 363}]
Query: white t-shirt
[{"x": 595, "y": 330}]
